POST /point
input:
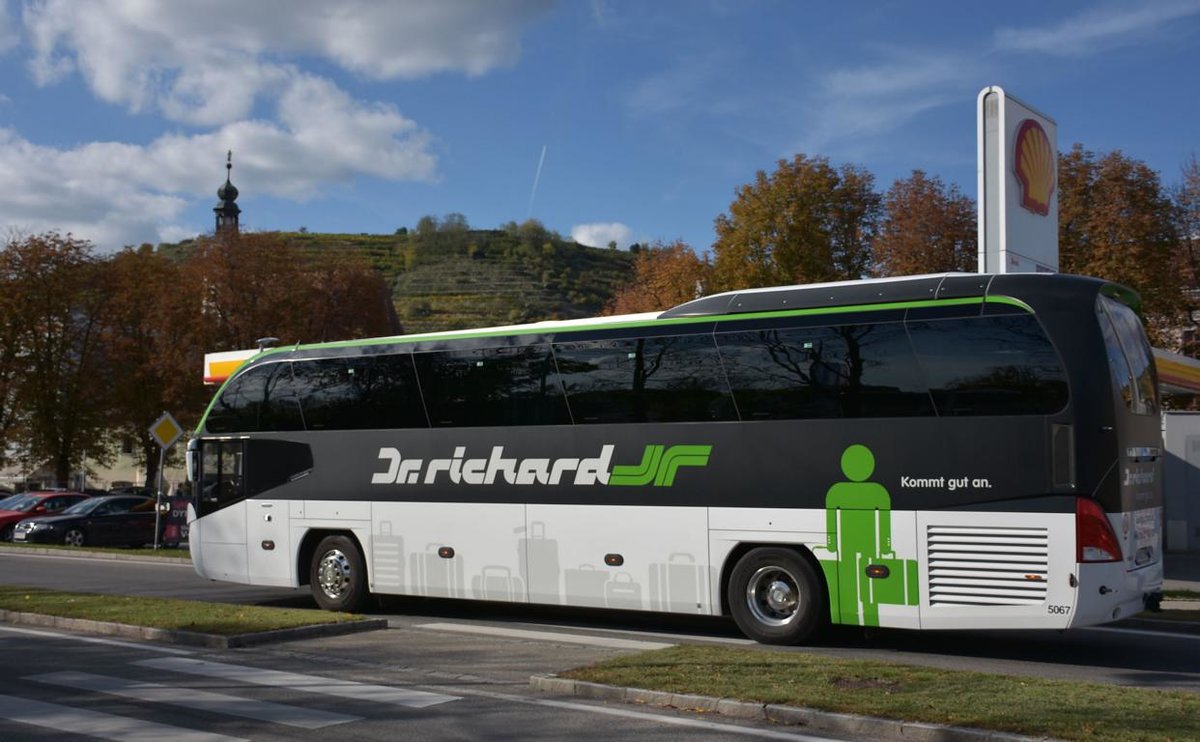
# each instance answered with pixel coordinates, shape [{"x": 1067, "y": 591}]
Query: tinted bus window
[
  {"x": 495, "y": 386},
  {"x": 659, "y": 379},
  {"x": 261, "y": 398},
  {"x": 829, "y": 372},
  {"x": 1127, "y": 346},
  {"x": 359, "y": 392},
  {"x": 992, "y": 365}
]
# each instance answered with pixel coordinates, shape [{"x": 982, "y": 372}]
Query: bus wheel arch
[
  {"x": 333, "y": 564},
  {"x": 776, "y": 593}
]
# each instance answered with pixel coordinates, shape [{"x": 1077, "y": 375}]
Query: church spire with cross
[{"x": 227, "y": 210}]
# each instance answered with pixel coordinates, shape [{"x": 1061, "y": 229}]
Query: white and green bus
[{"x": 937, "y": 452}]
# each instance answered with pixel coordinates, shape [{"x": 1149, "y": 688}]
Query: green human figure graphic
[{"x": 858, "y": 521}]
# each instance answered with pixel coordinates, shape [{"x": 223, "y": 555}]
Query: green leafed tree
[
  {"x": 805, "y": 222},
  {"x": 927, "y": 228},
  {"x": 1115, "y": 221}
]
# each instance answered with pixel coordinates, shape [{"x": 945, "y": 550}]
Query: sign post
[
  {"x": 1018, "y": 194},
  {"x": 165, "y": 432}
]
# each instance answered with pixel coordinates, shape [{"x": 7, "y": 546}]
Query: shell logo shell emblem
[{"x": 1035, "y": 165}]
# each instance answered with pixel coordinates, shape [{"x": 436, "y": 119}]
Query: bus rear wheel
[
  {"x": 338, "y": 575},
  {"x": 775, "y": 596}
]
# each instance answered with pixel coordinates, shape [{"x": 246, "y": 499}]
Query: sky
[{"x": 606, "y": 120}]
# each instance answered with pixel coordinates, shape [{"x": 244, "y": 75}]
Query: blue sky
[{"x": 636, "y": 121}]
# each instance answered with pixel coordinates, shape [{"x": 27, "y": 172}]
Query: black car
[{"x": 116, "y": 520}]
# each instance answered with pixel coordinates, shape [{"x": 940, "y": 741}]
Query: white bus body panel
[
  {"x": 405, "y": 538},
  {"x": 268, "y": 546},
  {"x": 664, "y": 551},
  {"x": 218, "y": 544},
  {"x": 984, "y": 570}
]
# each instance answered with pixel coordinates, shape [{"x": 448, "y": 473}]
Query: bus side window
[
  {"x": 492, "y": 386},
  {"x": 654, "y": 379},
  {"x": 261, "y": 398}
]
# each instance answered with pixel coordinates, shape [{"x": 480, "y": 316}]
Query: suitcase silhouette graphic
[
  {"x": 585, "y": 586},
  {"x": 622, "y": 592},
  {"x": 539, "y": 565},
  {"x": 497, "y": 583},
  {"x": 387, "y": 557}
]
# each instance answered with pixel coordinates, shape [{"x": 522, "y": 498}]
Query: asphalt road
[
  {"x": 68, "y": 687},
  {"x": 528, "y": 639}
]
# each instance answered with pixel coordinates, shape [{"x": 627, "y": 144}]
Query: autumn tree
[
  {"x": 663, "y": 275},
  {"x": 58, "y": 294},
  {"x": 1115, "y": 222},
  {"x": 1187, "y": 221},
  {"x": 256, "y": 285},
  {"x": 151, "y": 334},
  {"x": 805, "y": 222},
  {"x": 926, "y": 228}
]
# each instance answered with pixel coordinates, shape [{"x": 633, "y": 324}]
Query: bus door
[{"x": 220, "y": 529}]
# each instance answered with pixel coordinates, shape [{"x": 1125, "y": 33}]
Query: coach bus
[{"x": 935, "y": 452}]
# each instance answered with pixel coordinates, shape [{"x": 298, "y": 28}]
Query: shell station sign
[{"x": 1018, "y": 194}]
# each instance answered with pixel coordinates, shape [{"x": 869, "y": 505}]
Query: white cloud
[
  {"x": 8, "y": 35},
  {"x": 213, "y": 65},
  {"x": 1096, "y": 29},
  {"x": 601, "y": 233},
  {"x": 854, "y": 104},
  {"x": 116, "y": 194},
  {"x": 206, "y": 63}
]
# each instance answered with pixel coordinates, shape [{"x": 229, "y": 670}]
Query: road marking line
[
  {"x": 295, "y": 681},
  {"x": 1144, "y": 632},
  {"x": 544, "y": 636},
  {"x": 219, "y": 703},
  {"x": 646, "y": 716},
  {"x": 97, "y": 640},
  {"x": 96, "y": 724}
]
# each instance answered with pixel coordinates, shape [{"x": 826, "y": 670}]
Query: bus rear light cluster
[{"x": 1095, "y": 540}]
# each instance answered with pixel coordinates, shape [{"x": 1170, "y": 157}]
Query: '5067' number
[{"x": 1058, "y": 610}]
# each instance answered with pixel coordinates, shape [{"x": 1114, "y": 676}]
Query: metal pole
[{"x": 162, "y": 454}]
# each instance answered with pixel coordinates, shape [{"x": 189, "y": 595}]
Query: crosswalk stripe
[
  {"x": 276, "y": 713},
  {"x": 295, "y": 681},
  {"x": 96, "y": 724}
]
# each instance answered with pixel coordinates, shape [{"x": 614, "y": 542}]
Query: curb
[
  {"x": 83, "y": 551},
  {"x": 190, "y": 638},
  {"x": 823, "y": 721}
]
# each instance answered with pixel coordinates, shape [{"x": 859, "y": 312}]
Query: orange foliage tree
[
  {"x": 1116, "y": 222},
  {"x": 803, "y": 223},
  {"x": 926, "y": 228},
  {"x": 663, "y": 275}
]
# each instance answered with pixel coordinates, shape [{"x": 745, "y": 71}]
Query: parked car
[
  {"x": 19, "y": 507},
  {"x": 131, "y": 489},
  {"x": 113, "y": 520}
]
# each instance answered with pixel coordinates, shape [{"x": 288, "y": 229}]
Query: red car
[{"x": 30, "y": 504}]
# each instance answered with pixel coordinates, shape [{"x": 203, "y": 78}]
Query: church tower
[{"x": 227, "y": 209}]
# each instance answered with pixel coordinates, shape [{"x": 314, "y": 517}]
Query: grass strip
[
  {"x": 165, "y": 613},
  {"x": 1022, "y": 705}
]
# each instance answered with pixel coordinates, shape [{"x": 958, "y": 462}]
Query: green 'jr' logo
[{"x": 658, "y": 466}]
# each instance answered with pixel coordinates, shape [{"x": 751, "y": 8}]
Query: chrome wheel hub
[
  {"x": 773, "y": 596},
  {"x": 333, "y": 574}
]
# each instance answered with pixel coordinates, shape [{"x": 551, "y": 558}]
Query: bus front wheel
[
  {"x": 338, "y": 576},
  {"x": 775, "y": 596}
]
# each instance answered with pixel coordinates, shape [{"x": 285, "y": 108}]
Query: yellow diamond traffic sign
[{"x": 166, "y": 431}]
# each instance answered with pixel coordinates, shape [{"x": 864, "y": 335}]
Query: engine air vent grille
[{"x": 978, "y": 565}]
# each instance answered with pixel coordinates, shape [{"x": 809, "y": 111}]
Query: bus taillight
[{"x": 1095, "y": 540}]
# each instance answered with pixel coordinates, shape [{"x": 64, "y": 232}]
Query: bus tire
[
  {"x": 338, "y": 575},
  {"x": 775, "y": 596}
]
